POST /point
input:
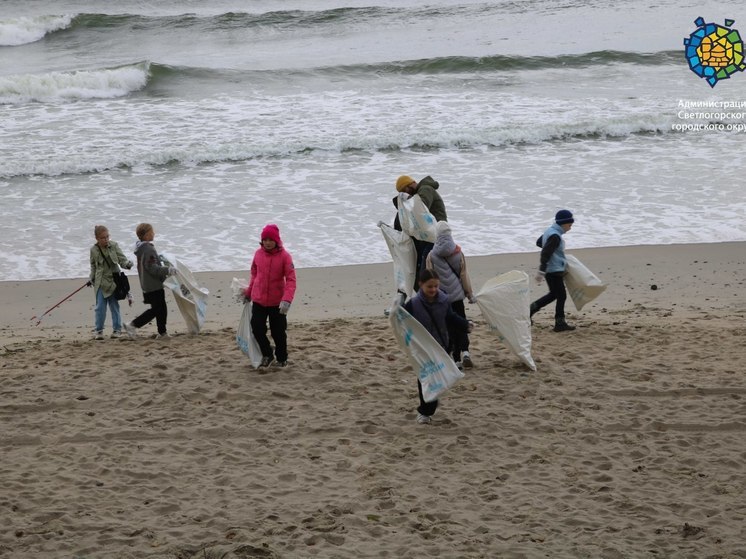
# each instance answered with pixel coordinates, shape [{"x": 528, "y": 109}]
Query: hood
[{"x": 428, "y": 181}]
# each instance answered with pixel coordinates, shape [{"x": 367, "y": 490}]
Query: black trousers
[
  {"x": 278, "y": 325},
  {"x": 157, "y": 310},
  {"x": 556, "y": 284},
  {"x": 425, "y": 408},
  {"x": 459, "y": 338}
]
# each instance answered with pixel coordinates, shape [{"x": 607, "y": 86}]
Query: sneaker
[
  {"x": 116, "y": 334},
  {"x": 460, "y": 365},
  {"x": 163, "y": 336},
  {"x": 282, "y": 363},
  {"x": 466, "y": 360},
  {"x": 99, "y": 335},
  {"x": 131, "y": 330},
  {"x": 563, "y": 326},
  {"x": 424, "y": 419},
  {"x": 266, "y": 361}
]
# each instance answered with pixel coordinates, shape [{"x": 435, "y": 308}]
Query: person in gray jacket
[
  {"x": 449, "y": 263},
  {"x": 152, "y": 274}
]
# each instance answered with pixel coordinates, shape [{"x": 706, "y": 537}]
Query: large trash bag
[
  {"x": 582, "y": 284},
  {"x": 416, "y": 220},
  {"x": 504, "y": 302},
  {"x": 404, "y": 256},
  {"x": 244, "y": 336},
  {"x": 190, "y": 297},
  {"x": 434, "y": 367}
]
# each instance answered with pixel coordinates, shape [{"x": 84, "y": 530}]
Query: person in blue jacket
[{"x": 552, "y": 267}]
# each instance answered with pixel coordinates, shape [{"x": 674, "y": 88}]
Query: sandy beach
[{"x": 628, "y": 441}]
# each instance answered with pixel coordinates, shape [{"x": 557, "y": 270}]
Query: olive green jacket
[
  {"x": 103, "y": 268},
  {"x": 427, "y": 190}
]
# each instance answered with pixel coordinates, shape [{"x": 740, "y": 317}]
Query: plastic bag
[
  {"x": 190, "y": 297},
  {"x": 246, "y": 340},
  {"x": 416, "y": 220},
  {"x": 435, "y": 368},
  {"x": 244, "y": 337},
  {"x": 582, "y": 284},
  {"x": 504, "y": 302},
  {"x": 404, "y": 256}
]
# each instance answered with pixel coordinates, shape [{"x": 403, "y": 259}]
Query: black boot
[
  {"x": 532, "y": 310},
  {"x": 561, "y": 326}
]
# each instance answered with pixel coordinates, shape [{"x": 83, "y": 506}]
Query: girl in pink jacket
[{"x": 271, "y": 290}]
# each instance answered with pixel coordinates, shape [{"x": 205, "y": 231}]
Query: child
[
  {"x": 271, "y": 290},
  {"x": 448, "y": 261},
  {"x": 430, "y": 307},
  {"x": 552, "y": 268},
  {"x": 106, "y": 260},
  {"x": 152, "y": 273}
]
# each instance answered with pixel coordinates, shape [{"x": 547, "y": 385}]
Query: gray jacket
[{"x": 149, "y": 267}]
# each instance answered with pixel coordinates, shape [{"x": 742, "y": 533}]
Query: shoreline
[{"x": 685, "y": 278}]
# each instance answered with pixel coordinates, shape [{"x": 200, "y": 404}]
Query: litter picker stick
[{"x": 57, "y": 305}]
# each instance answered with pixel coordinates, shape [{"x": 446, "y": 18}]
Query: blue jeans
[{"x": 100, "y": 312}]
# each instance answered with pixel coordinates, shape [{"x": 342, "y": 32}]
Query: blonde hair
[
  {"x": 98, "y": 229},
  {"x": 143, "y": 229}
]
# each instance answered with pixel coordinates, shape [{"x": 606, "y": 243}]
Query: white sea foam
[
  {"x": 82, "y": 84},
  {"x": 28, "y": 29}
]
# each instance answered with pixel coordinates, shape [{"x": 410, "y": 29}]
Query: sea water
[{"x": 211, "y": 119}]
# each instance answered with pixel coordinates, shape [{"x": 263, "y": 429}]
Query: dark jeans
[
  {"x": 157, "y": 310},
  {"x": 458, "y": 336},
  {"x": 278, "y": 324},
  {"x": 425, "y": 408},
  {"x": 556, "y": 284}
]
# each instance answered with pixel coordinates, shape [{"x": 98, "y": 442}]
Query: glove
[
  {"x": 470, "y": 327},
  {"x": 472, "y": 299},
  {"x": 284, "y": 307},
  {"x": 171, "y": 270},
  {"x": 539, "y": 277},
  {"x": 129, "y": 298},
  {"x": 89, "y": 283}
]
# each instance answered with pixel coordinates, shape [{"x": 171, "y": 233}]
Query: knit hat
[
  {"x": 564, "y": 216},
  {"x": 442, "y": 228},
  {"x": 272, "y": 232},
  {"x": 402, "y": 182}
]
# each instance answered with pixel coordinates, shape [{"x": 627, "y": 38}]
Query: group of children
[
  {"x": 271, "y": 288},
  {"x": 438, "y": 304},
  {"x": 444, "y": 283}
]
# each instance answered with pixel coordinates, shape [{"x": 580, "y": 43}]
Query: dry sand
[{"x": 627, "y": 442}]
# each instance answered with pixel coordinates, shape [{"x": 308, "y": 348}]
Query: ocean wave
[
  {"x": 217, "y": 152},
  {"x": 82, "y": 84},
  {"x": 24, "y": 30}
]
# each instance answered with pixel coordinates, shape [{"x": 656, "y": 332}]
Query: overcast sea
[{"x": 210, "y": 120}]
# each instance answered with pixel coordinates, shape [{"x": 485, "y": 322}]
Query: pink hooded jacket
[{"x": 272, "y": 273}]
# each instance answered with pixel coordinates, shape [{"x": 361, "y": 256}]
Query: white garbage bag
[
  {"x": 434, "y": 367},
  {"x": 582, "y": 284},
  {"x": 416, "y": 220},
  {"x": 504, "y": 302},
  {"x": 190, "y": 297},
  {"x": 404, "y": 256},
  {"x": 244, "y": 337}
]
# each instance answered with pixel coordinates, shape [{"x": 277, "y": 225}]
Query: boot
[
  {"x": 532, "y": 310},
  {"x": 561, "y": 326}
]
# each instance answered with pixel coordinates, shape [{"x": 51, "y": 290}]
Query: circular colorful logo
[{"x": 714, "y": 52}]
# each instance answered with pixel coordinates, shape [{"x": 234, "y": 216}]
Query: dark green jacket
[{"x": 427, "y": 189}]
